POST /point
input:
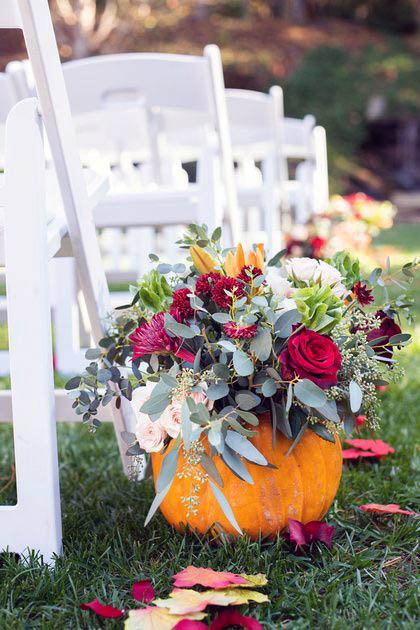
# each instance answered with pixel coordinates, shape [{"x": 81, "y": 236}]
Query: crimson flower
[
  {"x": 248, "y": 273},
  {"x": 226, "y": 283},
  {"x": 363, "y": 294},
  {"x": 313, "y": 356},
  {"x": 181, "y": 301},
  {"x": 318, "y": 244},
  {"x": 205, "y": 283},
  {"x": 152, "y": 338},
  {"x": 236, "y": 331},
  {"x": 387, "y": 328}
]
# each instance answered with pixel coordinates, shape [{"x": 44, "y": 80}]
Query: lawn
[{"x": 366, "y": 580}]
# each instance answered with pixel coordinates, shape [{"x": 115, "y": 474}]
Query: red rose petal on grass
[
  {"x": 102, "y": 610},
  {"x": 391, "y": 508},
  {"x": 355, "y": 453},
  {"x": 229, "y": 618},
  {"x": 191, "y": 576},
  {"x": 322, "y": 532},
  {"x": 311, "y": 532},
  {"x": 190, "y": 624},
  {"x": 143, "y": 591},
  {"x": 378, "y": 447}
]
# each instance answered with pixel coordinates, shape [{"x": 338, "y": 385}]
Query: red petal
[
  {"x": 360, "y": 420},
  {"x": 316, "y": 530},
  {"x": 230, "y": 617},
  {"x": 297, "y": 532},
  {"x": 143, "y": 591},
  {"x": 378, "y": 447},
  {"x": 190, "y": 624},
  {"x": 355, "y": 453},
  {"x": 391, "y": 508},
  {"x": 103, "y": 610}
]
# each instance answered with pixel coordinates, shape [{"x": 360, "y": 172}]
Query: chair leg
[{"x": 35, "y": 521}]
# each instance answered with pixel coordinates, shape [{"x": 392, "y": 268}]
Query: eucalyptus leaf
[
  {"x": 93, "y": 353},
  {"x": 261, "y": 345},
  {"x": 322, "y": 431},
  {"x": 227, "y": 345},
  {"x": 216, "y": 391},
  {"x": 309, "y": 393},
  {"x": 286, "y": 321},
  {"x": 242, "y": 363},
  {"x": 177, "y": 329},
  {"x": 210, "y": 468},
  {"x": 247, "y": 400},
  {"x": 221, "y": 318},
  {"x": 249, "y": 417},
  {"x": 269, "y": 388},
  {"x": 155, "y": 405},
  {"x": 244, "y": 447},
  {"x": 221, "y": 371},
  {"x": 236, "y": 465},
  {"x": 329, "y": 411},
  {"x": 156, "y": 503},
  {"x": 186, "y": 426},
  {"x": 225, "y": 507},
  {"x": 356, "y": 396},
  {"x": 168, "y": 470}
]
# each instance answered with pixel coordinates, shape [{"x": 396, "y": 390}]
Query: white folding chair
[{"x": 34, "y": 232}]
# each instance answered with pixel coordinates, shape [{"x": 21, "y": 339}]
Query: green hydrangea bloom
[
  {"x": 155, "y": 294},
  {"x": 348, "y": 267},
  {"x": 321, "y": 310}
]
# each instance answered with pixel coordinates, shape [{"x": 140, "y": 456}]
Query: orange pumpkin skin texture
[{"x": 302, "y": 487}]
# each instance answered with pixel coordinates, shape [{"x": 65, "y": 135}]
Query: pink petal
[
  {"x": 191, "y": 576},
  {"x": 103, "y": 610},
  {"x": 391, "y": 508},
  {"x": 190, "y": 624},
  {"x": 355, "y": 453},
  {"x": 378, "y": 447},
  {"x": 230, "y": 617},
  {"x": 143, "y": 591},
  {"x": 297, "y": 532},
  {"x": 317, "y": 530},
  {"x": 185, "y": 355}
]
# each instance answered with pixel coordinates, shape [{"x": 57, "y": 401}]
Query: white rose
[
  {"x": 303, "y": 269},
  {"x": 150, "y": 435},
  {"x": 331, "y": 276},
  {"x": 280, "y": 285}
]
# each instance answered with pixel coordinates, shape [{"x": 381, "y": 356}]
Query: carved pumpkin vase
[{"x": 302, "y": 486}]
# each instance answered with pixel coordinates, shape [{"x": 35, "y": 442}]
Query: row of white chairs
[{"x": 145, "y": 115}]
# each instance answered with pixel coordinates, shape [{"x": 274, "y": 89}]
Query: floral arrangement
[
  {"x": 205, "y": 348},
  {"x": 350, "y": 222}
]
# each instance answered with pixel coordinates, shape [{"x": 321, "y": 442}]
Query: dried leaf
[
  {"x": 154, "y": 618},
  {"x": 191, "y": 576},
  {"x": 391, "y": 508},
  {"x": 229, "y": 618},
  {"x": 182, "y": 600},
  {"x": 103, "y": 610},
  {"x": 143, "y": 591}
]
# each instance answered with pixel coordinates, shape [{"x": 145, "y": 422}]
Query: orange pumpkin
[{"x": 302, "y": 487}]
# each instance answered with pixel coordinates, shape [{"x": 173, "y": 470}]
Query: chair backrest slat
[{"x": 9, "y": 14}]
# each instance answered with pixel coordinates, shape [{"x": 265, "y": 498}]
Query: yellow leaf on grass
[
  {"x": 153, "y": 618},
  {"x": 184, "y": 600},
  {"x": 259, "y": 579}
]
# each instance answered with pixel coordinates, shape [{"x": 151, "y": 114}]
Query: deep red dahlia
[
  {"x": 205, "y": 283},
  {"x": 181, "y": 301},
  {"x": 386, "y": 329},
  {"x": 152, "y": 338},
  {"x": 248, "y": 273},
  {"x": 363, "y": 294},
  {"x": 219, "y": 295},
  {"x": 236, "y": 331}
]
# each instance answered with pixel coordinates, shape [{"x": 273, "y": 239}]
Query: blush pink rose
[
  {"x": 150, "y": 435},
  {"x": 171, "y": 417}
]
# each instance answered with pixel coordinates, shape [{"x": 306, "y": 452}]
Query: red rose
[
  {"x": 387, "y": 328},
  {"x": 313, "y": 356}
]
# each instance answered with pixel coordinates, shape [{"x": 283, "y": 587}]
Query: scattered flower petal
[
  {"x": 182, "y": 600},
  {"x": 258, "y": 579},
  {"x": 391, "y": 508},
  {"x": 191, "y": 576},
  {"x": 143, "y": 591},
  {"x": 103, "y": 610},
  {"x": 367, "y": 448},
  {"x": 153, "y": 618},
  {"x": 230, "y": 617},
  {"x": 313, "y": 531}
]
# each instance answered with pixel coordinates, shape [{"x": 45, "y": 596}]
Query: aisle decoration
[
  {"x": 243, "y": 372},
  {"x": 350, "y": 222}
]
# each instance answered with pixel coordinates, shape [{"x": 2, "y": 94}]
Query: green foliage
[
  {"x": 320, "y": 309},
  {"x": 336, "y": 86},
  {"x": 155, "y": 294},
  {"x": 348, "y": 267}
]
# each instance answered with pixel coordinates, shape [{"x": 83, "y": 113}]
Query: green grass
[{"x": 366, "y": 580}]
